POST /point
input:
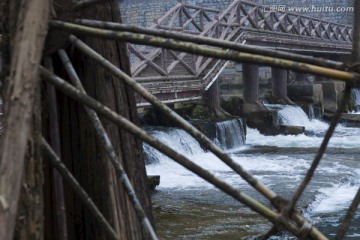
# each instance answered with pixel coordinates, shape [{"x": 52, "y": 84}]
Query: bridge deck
[{"x": 173, "y": 76}]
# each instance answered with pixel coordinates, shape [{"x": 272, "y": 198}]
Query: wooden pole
[
  {"x": 26, "y": 53},
  {"x": 212, "y": 42},
  {"x": 349, "y": 77},
  {"x": 355, "y": 57},
  {"x": 54, "y": 136}
]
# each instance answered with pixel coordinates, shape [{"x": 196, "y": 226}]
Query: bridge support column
[
  {"x": 279, "y": 85},
  {"x": 251, "y": 89},
  {"x": 251, "y": 83},
  {"x": 307, "y": 94}
]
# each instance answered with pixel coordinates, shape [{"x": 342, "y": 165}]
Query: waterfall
[
  {"x": 230, "y": 134},
  {"x": 311, "y": 112},
  {"x": 295, "y": 116},
  {"x": 356, "y": 97},
  {"x": 177, "y": 139}
]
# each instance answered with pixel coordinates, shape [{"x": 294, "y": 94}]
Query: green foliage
[
  {"x": 232, "y": 105},
  {"x": 185, "y": 109},
  {"x": 200, "y": 112}
]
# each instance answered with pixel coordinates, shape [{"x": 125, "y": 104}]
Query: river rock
[{"x": 153, "y": 181}]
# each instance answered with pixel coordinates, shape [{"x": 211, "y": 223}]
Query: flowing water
[
  {"x": 187, "y": 207},
  {"x": 356, "y": 97}
]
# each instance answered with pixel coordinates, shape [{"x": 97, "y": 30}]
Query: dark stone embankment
[{"x": 350, "y": 120}]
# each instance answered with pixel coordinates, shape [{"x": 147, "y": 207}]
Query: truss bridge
[{"x": 178, "y": 76}]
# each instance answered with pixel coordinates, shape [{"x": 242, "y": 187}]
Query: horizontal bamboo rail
[
  {"x": 349, "y": 77},
  {"x": 213, "y": 42}
]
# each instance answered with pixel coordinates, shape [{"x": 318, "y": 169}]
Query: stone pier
[
  {"x": 279, "y": 85},
  {"x": 251, "y": 89}
]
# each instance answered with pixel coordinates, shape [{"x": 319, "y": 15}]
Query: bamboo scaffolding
[
  {"x": 199, "y": 136},
  {"x": 349, "y": 77},
  {"x": 179, "y": 158},
  {"x": 212, "y": 42},
  {"x": 173, "y": 116},
  {"x": 109, "y": 149},
  {"x": 78, "y": 190}
]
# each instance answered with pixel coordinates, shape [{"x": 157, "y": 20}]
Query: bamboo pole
[
  {"x": 54, "y": 137},
  {"x": 28, "y": 40},
  {"x": 109, "y": 149},
  {"x": 337, "y": 115},
  {"x": 199, "y": 136},
  {"x": 349, "y": 77},
  {"x": 78, "y": 190},
  {"x": 212, "y": 42},
  {"x": 355, "y": 57},
  {"x": 349, "y": 217},
  {"x": 179, "y": 158},
  {"x": 87, "y": 3},
  {"x": 334, "y": 121}
]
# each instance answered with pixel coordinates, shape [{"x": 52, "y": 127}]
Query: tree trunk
[
  {"x": 27, "y": 46},
  {"x": 82, "y": 152}
]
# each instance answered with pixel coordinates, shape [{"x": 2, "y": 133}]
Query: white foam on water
[
  {"x": 295, "y": 116},
  {"x": 350, "y": 140},
  {"x": 173, "y": 175},
  {"x": 334, "y": 199}
]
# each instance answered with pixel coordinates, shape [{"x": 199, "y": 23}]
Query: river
[{"x": 187, "y": 207}]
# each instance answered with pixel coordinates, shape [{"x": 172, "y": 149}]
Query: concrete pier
[
  {"x": 279, "y": 83},
  {"x": 251, "y": 90},
  {"x": 251, "y": 83}
]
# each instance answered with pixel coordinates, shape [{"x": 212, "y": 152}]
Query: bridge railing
[{"x": 240, "y": 16}]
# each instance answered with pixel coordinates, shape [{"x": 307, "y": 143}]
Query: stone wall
[{"x": 143, "y": 12}]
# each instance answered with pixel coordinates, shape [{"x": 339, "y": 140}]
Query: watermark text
[{"x": 305, "y": 9}]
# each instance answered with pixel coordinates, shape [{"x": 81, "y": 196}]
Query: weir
[
  {"x": 230, "y": 134},
  {"x": 183, "y": 199}
]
